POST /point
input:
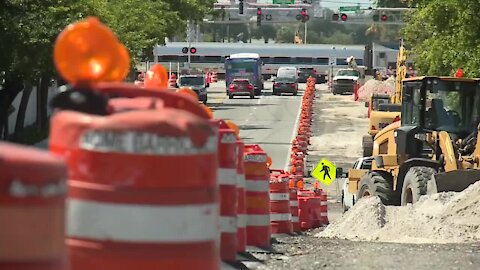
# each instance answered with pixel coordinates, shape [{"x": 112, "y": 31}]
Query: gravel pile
[
  {"x": 452, "y": 217},
  {"x": 373, "y": 86}
]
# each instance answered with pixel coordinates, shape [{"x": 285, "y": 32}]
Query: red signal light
[
  {"x": 193, "y": 50},
  {"x": 259, "y": 11},
  {"x": 344, "y": 17},
  {"x": 304, "y": 12},
  {"x": 384, "y": 18}
]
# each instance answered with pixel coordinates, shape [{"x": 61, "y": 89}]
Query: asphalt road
[{"x": 266, "y": 120}]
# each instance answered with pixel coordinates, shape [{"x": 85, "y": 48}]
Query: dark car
[
  {"x": 241, "y": 87},
  {"x": 285, "y": 85},
  {"x": 304, "y": 73},
  {"x": 197, "y": 83}
]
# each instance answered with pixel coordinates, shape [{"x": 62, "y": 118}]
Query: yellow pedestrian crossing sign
[{"x": 325, "y": 172}]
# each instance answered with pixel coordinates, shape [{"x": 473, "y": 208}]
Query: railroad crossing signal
[
  {"x": 193, "y": 50},
  {"x": 337, "y": 16},
  {"x": 383, "y": 18},
  {"x": 303, "y": 16}
]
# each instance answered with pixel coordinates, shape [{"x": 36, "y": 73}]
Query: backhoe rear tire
[
  {"x": 415, "y": 184},
  {"x": 377, "y": 184},
  {"x": 367, "y": 145}
]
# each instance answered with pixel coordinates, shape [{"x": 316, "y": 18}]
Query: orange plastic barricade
[
  {"x": 227, "y": 180},
  {"x": 32, "y": 204},
  {"x": 280, "y": 216},
  {"x": 294, "y": 209},
  {"x": 323, "y": 207},
  {"x": 143, "y": 191},
  {"x": 257, "y": 196},
  {"x": 242, "y": 211}
]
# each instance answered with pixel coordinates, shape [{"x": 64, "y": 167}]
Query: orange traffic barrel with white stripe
[
  {"x": 241, "y": 209},
  {"x": 294, "y": 209},
  {"x": 227, "y": 180},
  {"x": 257, "y": 176},
  {"x": 280, "y": 213},
  {"x": 143, "y": 191},
  {"x": 323, "y": 207},
  {"x": 32, "y": 209}
]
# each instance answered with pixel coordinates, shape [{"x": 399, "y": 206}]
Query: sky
[{"x": 335, "y": 4}]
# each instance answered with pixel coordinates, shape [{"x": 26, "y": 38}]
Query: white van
[{"x": 287, "y": 72}]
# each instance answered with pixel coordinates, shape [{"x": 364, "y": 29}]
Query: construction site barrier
[
  {"x": 140, "y": 222},
  {"x": 294, "y": 209},
  {"x": 280, "y": 213},
  {"x": 32, "y": 204},
  {"x": 241, "y": 210},
  {"x": 227, "y": 180},
  {"x": 257, "y": 177}
]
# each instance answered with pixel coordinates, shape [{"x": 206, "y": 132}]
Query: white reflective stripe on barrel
[
  {"x": 294, "y": 218},
  {"x": 141, "y": 223},
  {"x": 228, "y": 224},
  {"x": 324, "y": 214},
  {"x": 258, "y": 220},
  {"x": 241, "y": 180},
  {"x": 279, "y": 196},
  {"x": 323, "y": 203},
  {"x": 257, "y": 185},
  {"x": 241, "y": 220},
  {"x": 280, "y": 217},
  {"x": 227, "y": 177},
  {"x": 293, "y": 203}
]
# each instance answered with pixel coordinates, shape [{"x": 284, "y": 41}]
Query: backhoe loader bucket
[{"x": 452, "y": 181}]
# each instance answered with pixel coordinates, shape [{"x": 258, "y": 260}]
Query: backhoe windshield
[{"x": 452, "y": 106}]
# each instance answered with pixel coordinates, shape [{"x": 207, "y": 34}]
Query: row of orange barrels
[
  {"x": 295, "y": 209},
  {"x": 151, "y": 182}
]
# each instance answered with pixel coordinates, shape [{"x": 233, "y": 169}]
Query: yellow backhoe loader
[
  {"x": 434, "y": 148},
  {"x": 383, "y": 109}
]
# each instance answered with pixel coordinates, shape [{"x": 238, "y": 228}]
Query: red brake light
[
  {"x": 250, "y": 86},
  {"x": 292, "y": 84},
  {"x": 232, "y": 86}
]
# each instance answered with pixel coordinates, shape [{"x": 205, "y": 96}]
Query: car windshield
[
  {"x": 191, "y": 80},
  {"x": 348, "y": 73}
]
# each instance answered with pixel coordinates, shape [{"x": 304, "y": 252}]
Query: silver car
[{"x": 197, "y": 83}]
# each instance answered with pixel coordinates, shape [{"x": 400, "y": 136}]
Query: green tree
[
  {"x": 265, "y": 31},
  {"x": 443, "y": 38}
]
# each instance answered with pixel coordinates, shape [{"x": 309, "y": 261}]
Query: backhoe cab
[{"x": 433, "y": 148}]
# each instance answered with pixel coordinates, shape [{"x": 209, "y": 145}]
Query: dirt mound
[
  {"x": 373, "y": 86},
  {"x": 451, "y": 217}
]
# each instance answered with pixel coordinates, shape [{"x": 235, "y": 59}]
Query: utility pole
[
  {"x": 189, "y": 40},
  {"x": 305, "y": 38}
]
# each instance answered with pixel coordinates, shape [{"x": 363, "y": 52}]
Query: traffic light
[
  {"x": 193, "y": 50},
  {"x": 268, "y": 17},
  {"x": 240, "y": 7},
  {"x": 377, "y": 17},
  {"x": 304, "y": 15},
  {"x": 343, "y": 17},
  {"x": 259, "y": 16},
  {"x": 335, "y": 17},
  {"x": 185, "y": 50}
]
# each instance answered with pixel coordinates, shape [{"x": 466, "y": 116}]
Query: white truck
[{"x": 346, "y": 79}]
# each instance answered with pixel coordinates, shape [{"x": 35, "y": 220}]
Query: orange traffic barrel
[
  {"x": 257, "y": 176},
  {"x": 32, "y": 208},
  {"x": 324, "y": 207},
  {"x": 241, "y": 209},
  {"x": 280, "y": 213},
  {"x": 294, "y": 208},
  {"x": 143, "y": 191},
  {"x": 227, "y": 180}
]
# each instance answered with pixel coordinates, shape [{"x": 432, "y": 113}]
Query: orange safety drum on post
[
  {"x": 32, "y": 202},
  {"x": 142, "y": 188},
  {"x": 227, "y": 180},
  {"x": 257, "y": 177}
]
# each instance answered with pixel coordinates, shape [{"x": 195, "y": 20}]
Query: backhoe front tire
[
  {"x": 376, "y": 184},
  {"x": 415, "y": 184},
  {"x": 367, "y": 145}
]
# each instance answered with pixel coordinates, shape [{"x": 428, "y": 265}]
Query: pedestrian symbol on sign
[{"x": 325, "y": 172}]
